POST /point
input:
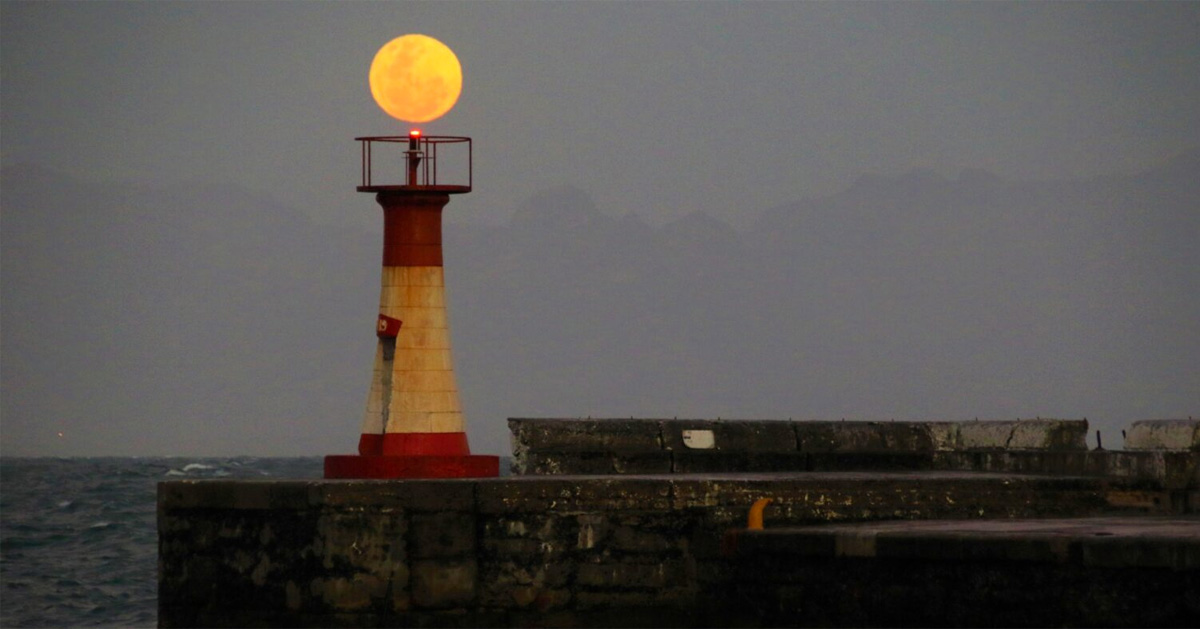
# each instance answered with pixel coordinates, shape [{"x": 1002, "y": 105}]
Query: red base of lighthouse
[
  {"x": 368, "y": 466},
  {"x": 412, "y": 455}
]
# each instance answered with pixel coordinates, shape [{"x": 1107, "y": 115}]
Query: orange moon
[{"x": 416, "y": 78}]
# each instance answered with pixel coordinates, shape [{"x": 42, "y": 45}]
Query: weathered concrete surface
[
  {"x": 745, "y": 436},
  {"x": 587, "y": 446},
  {"x": 643, "y": 446},
  {"x": 538, "y": 463},
  {"x": 1169, "y": 470},
  {"x": 1164, "y": 434},
  {"x": 554, "y": 550},
  {"x": 1029, "y": 434},
  {"x": 644, "y": 436},
  {"x": 821, "y": 436},
  {"x": 1140, "y": 572},
  {"x": 1141, "y": 542},
  {"x": 625, "y": 435}
]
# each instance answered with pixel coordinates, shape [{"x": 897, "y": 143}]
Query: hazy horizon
[
  {"x": 632, "y": 320},
  {"x": 764, "y": 210}
]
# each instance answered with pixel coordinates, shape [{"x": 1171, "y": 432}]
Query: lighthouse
[{"x": 413, "y": 423}]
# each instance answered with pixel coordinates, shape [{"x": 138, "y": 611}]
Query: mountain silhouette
[{"x": 204, "y": 318}]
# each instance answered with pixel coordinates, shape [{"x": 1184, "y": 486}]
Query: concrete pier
[
  {"x": 1053, "y": 535},
  {"x": 539, "y": 551}
]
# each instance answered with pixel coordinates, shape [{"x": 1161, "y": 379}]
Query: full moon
[{"x": 415, "y": 78}]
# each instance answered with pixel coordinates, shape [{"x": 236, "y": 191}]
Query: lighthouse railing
[{"x": 440, "y": 163}]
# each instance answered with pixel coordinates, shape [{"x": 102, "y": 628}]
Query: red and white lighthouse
[{"x": 413, "y": 425}]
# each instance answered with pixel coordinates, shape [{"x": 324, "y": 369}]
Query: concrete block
[
  {"x": 239, "y": 494},
  {"x": 529, "y": 597},
  {"x": 1139, "y": 500},
  {"x": 816, "y": 436},
  {"x": 535, "y": 526},
  {"x": 985, "y": 435},
  {"x": 784, "y": 542},
  {"x": 508, "y": 547},
  {"x": 546, "y": 463},
  {"x": 564, "y": 493},
  {"x": 409, "y": 495},
  {"x": 626, "y": 494},
  {"x": 1034, "y": 549},
  {"x": 585, "y": 435},
  {"x": 194, "y": 587},
  {"x": 1066, "y": 463},
  {"x": 717, "y": 496},
  {"x": 880, "y": 461},
  {"x": 712, "y": 461},
  {"x": 341, "y": 594},
  {"x": 943, "y": 435},
  {"x": 443, "y": 583},
  {"x": 1181, "y": 470},
  {"x": 533, "y": 495},
  {"x": 618, "y": 603},
  {"x": 622, "y": 575},
  {"x": 630, "y": 539},
  {"x": 443, "y": 534},
  {"x": 856, "y": 436},
  {"x": 1164, "y": 434},
  {"x": 1049, "y": 434},
  {"x": 1123, "y": 552},
  {"x": 593, "y": 531},
  {"x": 729, "y": 435},
  {"x": 1026, "y": 434},
  {"x": 537, "y": 572},
  {"x": 365, "y": 541},
  {"x": 523, "y": 582},
  {"x": 816, "y": 497}
]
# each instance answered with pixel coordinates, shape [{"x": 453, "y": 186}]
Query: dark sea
[{"x": 78, "y": 543}]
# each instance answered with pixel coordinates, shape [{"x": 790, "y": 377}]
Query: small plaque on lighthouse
[{"x": 388, "y": 328}]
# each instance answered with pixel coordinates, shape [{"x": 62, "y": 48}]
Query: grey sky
[
  {"x": 656, "y": 108},
  {"x": 979, "y": 295}
]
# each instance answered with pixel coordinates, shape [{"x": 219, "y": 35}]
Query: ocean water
[{"x": 78, "y": 543}]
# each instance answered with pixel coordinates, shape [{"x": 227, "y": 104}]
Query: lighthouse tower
[{"x": 413, "y": 425}]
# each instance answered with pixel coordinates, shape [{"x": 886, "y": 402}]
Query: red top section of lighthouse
[{"x": 416, "y": 163}]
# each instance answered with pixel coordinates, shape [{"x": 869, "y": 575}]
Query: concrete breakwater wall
[
  {"x": 537, "y": 551},
  {"x": 622, "y": 548},
  {"x": 662, "y": 446},
  {"x": 1166, "y": 451}
]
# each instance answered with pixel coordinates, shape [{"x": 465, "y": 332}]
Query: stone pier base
[{"x": 549, "y": 551}]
